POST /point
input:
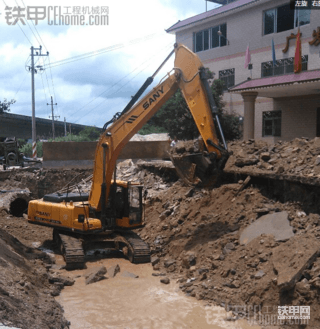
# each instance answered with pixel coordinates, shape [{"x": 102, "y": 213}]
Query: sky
[{"x": 92, "y": 70}]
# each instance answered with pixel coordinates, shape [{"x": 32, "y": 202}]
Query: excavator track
[
  {"x": 71, "y": 249},
  {"x": 138, "y": 250}
]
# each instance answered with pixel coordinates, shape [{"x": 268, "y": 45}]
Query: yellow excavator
[{"x": 105, "y": 217}]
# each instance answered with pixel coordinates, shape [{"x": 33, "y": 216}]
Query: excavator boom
[{"x": 188, "y": 75}]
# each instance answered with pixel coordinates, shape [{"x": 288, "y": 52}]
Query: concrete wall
[
  {"x": 246, "y": 28},
  {"x": 81, "y": 154}
]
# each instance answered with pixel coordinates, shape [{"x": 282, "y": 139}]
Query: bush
[{"x": 27, "y": 149}]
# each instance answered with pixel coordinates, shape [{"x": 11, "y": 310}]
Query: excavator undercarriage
[{"x": 74, "y": 247}]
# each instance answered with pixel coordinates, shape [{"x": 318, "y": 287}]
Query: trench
[{"x": 307, "y": 195}]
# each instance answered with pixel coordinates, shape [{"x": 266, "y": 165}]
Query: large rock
[
  {"x": 64, "y": 281},
  {"x": 96, "y": 274},
  {"x": 113, "y": 271},
  {"x": 291, "y": 258},
  {"x": 165, "y": 280},
  {"x": 241, "y": 162},
  {"x": 276, "y": 224}
]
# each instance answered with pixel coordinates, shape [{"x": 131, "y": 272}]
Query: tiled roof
[
  {"x": 306, "y": 76},
  {"x": 210, "y": 13}
]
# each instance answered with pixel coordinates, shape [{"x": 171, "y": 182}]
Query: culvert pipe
[{"x": 18, "y": 207}]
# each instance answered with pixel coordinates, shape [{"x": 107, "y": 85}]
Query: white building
[{"x": 277, "y": 104}]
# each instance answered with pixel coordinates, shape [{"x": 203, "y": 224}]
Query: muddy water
[{"x": 142, "y": 303}]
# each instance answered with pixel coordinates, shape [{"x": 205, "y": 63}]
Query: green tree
[
  {"x": 230, "y": 122},
  {"x": 5, "y": 105},
  {"x": 90, "y": 133},
  {"x": 150, "y": 128},
  {"x": 175, "y": 118}
]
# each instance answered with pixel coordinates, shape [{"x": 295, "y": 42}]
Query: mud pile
[
  {"x": 196, "y": 236},
  {"x": 41, "y": 181},
  {"x": 26, "y": 296}
]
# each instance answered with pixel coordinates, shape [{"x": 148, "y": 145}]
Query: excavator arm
[{"x": 188, "y": 75}]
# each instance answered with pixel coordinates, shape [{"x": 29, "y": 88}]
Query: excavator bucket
[{"x": 195, "y": 169}]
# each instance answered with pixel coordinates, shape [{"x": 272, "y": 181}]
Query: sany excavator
[{"x": 105, "y": 217}]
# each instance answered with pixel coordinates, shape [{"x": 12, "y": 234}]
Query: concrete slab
[
  {"x": 127, "y": 274},
  {"x": 291, "y": 258},
  {"x": 276, "y": 224}
]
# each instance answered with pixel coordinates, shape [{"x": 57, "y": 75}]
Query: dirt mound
[
  {"x": 25, "y": 292},
  {"x": 195, "y": 236},
  {"x": 299, "y": 157}
]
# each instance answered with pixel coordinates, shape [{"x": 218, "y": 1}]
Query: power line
[
  {"x": 29, "y": 25},
  {"x": 19, "y": 26},
  {"x": 101, "y": 51},
  {"x": 45, "y": 71},
  {"x": 151, "y": 58},
  {"x": 120, "y": 87},
  {"x": 108, "y": 89},
  {"x": 23, "y": 80},
  {"x": 36, "y": 29},
  {"x": 54, "y": 93},
  {"x": 46, "y": 50}
]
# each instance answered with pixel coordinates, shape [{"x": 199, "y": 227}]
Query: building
[{"x": 277, "y": 104}]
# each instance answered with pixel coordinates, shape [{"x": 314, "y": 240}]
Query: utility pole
[
  {"x": 65, "y": 127},
  {"x": 33, "y": 71},
  {"x": 53, "y": 116}
]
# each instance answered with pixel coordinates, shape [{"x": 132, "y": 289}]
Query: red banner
[{"x": 297, "y": 56}]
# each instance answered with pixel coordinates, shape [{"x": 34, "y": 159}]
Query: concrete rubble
[
  {"x": 95, "y": 275},
  {"x": 127, "y": 274},
  {"x": 276, "y": 224},
  {"x": 113, "y": 271},
  {"x": 292, "y": 258}
]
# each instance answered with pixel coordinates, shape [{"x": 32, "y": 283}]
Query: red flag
[{"x": 297, "y": 56}]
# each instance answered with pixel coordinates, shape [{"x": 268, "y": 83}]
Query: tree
[
  {"x": 90, "y": 133},
  {"x": 175, "y": 118},
  {"x": 230, "y": 122},
  {"x": 5, "y": 105}
]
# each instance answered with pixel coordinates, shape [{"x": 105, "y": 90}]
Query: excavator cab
[{"x": 128, "y": 205}]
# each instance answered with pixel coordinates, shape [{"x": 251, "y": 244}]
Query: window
[
  {"x": 302, "y": 17},
  {"x": 271, "y": 123},
  {"x": 227, "y": 76},
  {"x": 282, "y": 66},
  {"x": 203, "y": 40},
  {"x": 283, "y": 19}
]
